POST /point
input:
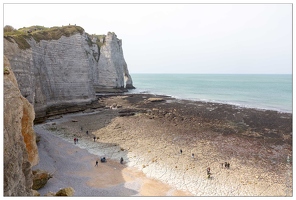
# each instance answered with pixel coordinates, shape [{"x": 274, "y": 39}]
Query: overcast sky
[{"x": 179, "y": 38}]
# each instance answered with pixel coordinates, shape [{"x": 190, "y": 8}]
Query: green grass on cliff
[{"x": 39, "y": 33}]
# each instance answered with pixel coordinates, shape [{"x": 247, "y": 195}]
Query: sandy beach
[{"x": 149, "y": 134}]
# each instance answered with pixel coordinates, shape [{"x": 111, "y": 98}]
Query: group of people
[
  {"x": 103, "y": 159},
  {"x": 226, "y": 165},
  {"x": 181, "y": 151}
]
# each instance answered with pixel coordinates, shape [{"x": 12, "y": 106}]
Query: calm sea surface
[{"x": 272, "y": 92}]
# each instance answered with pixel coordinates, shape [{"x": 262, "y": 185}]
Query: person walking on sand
[
  {"x": 192, "y": 155},
  {"x": 97, "y": 162},
  {"x": 74, "y": 140},
  {"x": 94, "y": 139},
  {"x": 208, "y": 171},
  {"x": 181, "y": 151},
  {"x": 121, "y": 160},
  {"x": 86, "y": 132}
]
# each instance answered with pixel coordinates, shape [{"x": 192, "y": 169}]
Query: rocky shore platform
[{"x": 150, "y": 131}]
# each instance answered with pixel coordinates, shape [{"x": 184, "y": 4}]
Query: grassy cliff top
[{"x": 40, "y": 33}]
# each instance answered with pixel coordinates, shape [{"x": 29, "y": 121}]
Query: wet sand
[{"x": 149, "y": 136}]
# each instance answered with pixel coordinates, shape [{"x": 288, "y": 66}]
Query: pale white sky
[{"x": 179, "y": 38}]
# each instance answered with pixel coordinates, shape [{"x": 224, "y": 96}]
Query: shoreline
[
  {"x": 150, "y": 139},
  {"x": 210, "y": 101}
]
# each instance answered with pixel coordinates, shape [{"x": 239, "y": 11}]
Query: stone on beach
[
  {"x": 69, "y": 191},
  {"x": 40, "y": 178}
]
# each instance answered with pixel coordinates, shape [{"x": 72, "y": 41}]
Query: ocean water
[{"x": 268, "y": 91}]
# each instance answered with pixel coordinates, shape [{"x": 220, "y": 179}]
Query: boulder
[
  {"x": 69, "y": 191},
  {"x": 40, "y": 178}
]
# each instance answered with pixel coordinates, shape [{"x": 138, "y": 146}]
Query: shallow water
[{"x": 272, "y": 92}]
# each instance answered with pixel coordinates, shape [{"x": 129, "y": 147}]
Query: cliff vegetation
[{"x": 39, "y": 33}]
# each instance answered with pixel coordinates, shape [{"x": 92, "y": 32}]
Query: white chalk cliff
[{"x": 60, "y": 75}]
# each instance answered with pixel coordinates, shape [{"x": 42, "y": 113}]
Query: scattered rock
[
  {"x": 156, "y": 99},
  {"x": 74, "y": 120},
  {"x": 40, "y": 178},
  {"x": 69, "y": 191}
]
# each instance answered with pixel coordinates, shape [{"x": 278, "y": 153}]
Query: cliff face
[
  {"x": 20, "y": 148},
  {"x": 61, "y": 75}
]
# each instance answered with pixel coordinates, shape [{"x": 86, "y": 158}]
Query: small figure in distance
[
  {"x": 97, "y": 162},
  {"x": 103, "y": 160},
  {"x": 181, "y": 151},
  {"x": 121, "y": 160}
]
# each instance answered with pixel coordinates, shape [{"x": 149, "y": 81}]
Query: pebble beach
[{"x": 149, "y": 131}]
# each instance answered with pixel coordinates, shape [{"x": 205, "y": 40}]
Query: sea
[{"x": 260, "y": 91}]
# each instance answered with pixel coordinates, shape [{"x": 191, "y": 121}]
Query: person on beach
[
  {"x": 208, "y": 171},
  {"x": 181, "y": 151},
  {"x": 97, "y": 162},
  {"x": 94, "y": 139},
  {"x": 225, "y": 165},
  {"x": 192, "y": 155},
  {"x": 121, "y": 160},
  {"x": 81, "y": 128},
  {"x": 86, "y": 132},
  {"x": 228, "y": 165},
  {"x": 103, "y": 159},
  {"x": 74, "y": 140}
]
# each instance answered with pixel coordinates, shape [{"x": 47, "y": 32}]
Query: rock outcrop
[
  {"x": 62, "y": 74},
  {"x": 20, "y": 148},
  {"x": 40, "y": 178}
]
